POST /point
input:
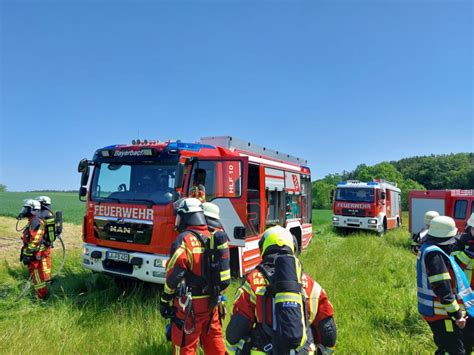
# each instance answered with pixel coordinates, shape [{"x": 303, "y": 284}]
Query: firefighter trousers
[
  {"x": 447, "y": 337},
  {"x": 468, "y": 336},
  {"x": 40, "y": 271},
  {"x": 212, "y": 342}
]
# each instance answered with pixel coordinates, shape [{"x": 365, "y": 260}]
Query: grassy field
[
  {"x": 369, "y": 280},
  {"x": 68, "y": 202}
]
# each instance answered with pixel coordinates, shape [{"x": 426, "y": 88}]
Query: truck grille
[{"x": 353, "y": 212}]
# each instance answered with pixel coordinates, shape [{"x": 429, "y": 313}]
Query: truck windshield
[
  {"x": 129, "y": 183},
  {"x": 355, "y": 194}
]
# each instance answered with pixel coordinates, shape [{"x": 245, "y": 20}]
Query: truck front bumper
[
  {"x": 370, "y": 223},
  {"x": 141, "y": 266}
]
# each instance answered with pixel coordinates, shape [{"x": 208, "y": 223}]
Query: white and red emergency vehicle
[
  {"x": 374, "y": 205},
  {"x": 128, "y": 226},
  {"x": 458, "y": 204}
]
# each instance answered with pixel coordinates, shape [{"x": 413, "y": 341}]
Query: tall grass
[{"x": 369, "y": 280}]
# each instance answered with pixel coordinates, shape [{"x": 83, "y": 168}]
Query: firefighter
[
  {"x": 465, "y": 238},
  {"x": 185, "y": 299},
  {"x": 465, "y": 259},
  {"x": 437, "y": 301},
  {"x": 198, "y": 190},
  {"x": 245, "y": 333},
  {"x": 32, "y": 252},
  {"x": 47, "y": 216},
  {"x": 221, "y": 278},
  {"x": 418, "y": 238}
]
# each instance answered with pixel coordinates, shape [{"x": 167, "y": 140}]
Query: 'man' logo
[{"x": 120, "y": 229}]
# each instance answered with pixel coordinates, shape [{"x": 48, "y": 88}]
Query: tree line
[{"x": 433, "y": 172}]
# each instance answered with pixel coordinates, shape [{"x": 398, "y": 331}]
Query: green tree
[{"x": 3, "y": 188}]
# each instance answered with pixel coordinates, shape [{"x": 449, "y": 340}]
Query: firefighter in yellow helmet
[{"x": 279, "y": 284}]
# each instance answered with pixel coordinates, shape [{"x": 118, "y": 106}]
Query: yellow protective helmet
[{"x": 276, "y": 236}]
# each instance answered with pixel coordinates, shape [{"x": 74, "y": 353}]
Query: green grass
[
  {"x": 68, "y": 202},
  {"x": 369, "y": 280}
]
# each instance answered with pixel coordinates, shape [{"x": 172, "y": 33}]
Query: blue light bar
[
  {"x": 342, "y": 183},
  {"x": 373, "y": 183},
  {"x": 194, "y": 147}
]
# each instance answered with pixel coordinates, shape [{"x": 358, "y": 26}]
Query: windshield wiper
[
  {"x": 111, "y": 198},
  {"x": 151, "y": 202}
]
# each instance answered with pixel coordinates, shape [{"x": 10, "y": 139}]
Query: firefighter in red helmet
[
  {"x": 185, "y": 298},
  {"x": 32, "y": 252}
]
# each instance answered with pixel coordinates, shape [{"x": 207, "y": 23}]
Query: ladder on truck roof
[{"x": 233, "y": 143}]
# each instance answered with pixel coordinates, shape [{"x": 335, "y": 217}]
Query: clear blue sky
[{"x": 337, "y": 82}]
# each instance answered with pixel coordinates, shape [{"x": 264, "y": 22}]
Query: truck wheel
[
  {"x": 297, "y": 245},
  {"x": 382, "y": 229}
]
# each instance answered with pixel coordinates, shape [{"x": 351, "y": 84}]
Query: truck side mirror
[
  {"x": 331, "y": 196},
  {"x": 239, "y": 233},
  {"x": 383, "y": 195},
  {"x": 82, "y": 193},
  {"x": 179, "y": 176},
  {"x": 85, "y": 176},
  {"x": 83, "y": 165}
]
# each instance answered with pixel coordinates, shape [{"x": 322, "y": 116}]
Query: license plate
[
  {"x": 113, "y": 255},
  {"x": 354, "y": 220}
]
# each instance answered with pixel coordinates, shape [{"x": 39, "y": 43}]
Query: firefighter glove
[
  {"x": 26, "y": 259},
  {"x": 167, "y": 310}
]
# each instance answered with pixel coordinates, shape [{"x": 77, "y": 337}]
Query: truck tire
[
  {"x": 297, "y": 243},
  {"x": 382, "y": 229}
]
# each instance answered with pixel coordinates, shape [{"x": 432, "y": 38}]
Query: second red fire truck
[
  {"x": 128, "y": 227},
  {"x": 458, "y": 204},
  {"x": 374, "y": 205}
]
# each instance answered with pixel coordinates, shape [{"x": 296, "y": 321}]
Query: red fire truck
[
  {"x": 458, "y": 204},
  {"x": 128, "y": 226},
  {"x": 374, "y": 205}
]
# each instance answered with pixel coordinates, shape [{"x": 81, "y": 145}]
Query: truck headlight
[
  {"x": 85, "y": 251},
  {"x": 373, "y": 221},
  {"x": 335, "y": 219},
  {"x": 160, "y": 263}
]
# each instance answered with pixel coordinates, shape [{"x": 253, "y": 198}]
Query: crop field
[
  {"x": 68, "y": 202},
  {"x": 369, "y": 280}
]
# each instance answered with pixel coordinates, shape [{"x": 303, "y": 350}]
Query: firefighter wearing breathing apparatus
[
  {"x": 33, "y": 250},
  {"x": 46, "y": 214},
  {"x": 444, "y": 295},
  {"x": 418, "y": 237},
  {"x": 279, "y": 309},
  {"x": 464, "y": 256},
  {"x": 219, "y": 257},
  {"x": 186, "y": 298}
]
